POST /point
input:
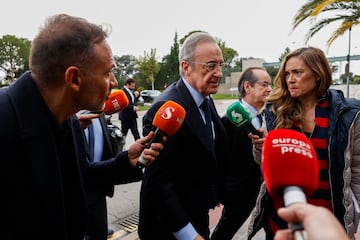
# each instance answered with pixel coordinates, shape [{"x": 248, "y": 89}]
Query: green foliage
[
  {"x": 148, "y": 67},
  {"x": 14, "y": 56},
  {"x": 343, "y": 77},
  {"x": 228, "y": 53},
  {"x": 282, "y": 56},
  {"x": 125, "y": 68},
  {"x": 356, "y": 79},
  {"x": 218, "y": 96},
  {"x": 322, "y": 13},
  {"x": 169, "y": 67},
  {"x": 272, "y": 71}
]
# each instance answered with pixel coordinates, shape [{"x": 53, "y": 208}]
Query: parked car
[
  {"x": 140, "y": 101},
  {"x": 149, "y": 95},
  {"x": 117, "y": 139}
]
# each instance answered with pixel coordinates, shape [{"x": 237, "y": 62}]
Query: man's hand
[
  {"x": 256, "y": 140},
  {"x": 85, "y": 119},
  {"x": 149, "y": 154}
]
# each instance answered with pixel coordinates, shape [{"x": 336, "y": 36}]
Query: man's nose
[{"x": 113, "y": 81}]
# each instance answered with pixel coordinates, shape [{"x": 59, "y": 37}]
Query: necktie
[
  {"x": 206, "y": 108},
  {"x": 91, "y": 140},
  {"x": 259, "y": 117}
]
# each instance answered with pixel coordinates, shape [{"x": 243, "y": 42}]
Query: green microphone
[{"x": 240, "y": 116}]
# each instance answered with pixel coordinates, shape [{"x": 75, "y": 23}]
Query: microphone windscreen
[
  {"x": 238, "y": 114},
  {"x": 169, "y": 117},
  {"x": 289, "y": 159},
  {"x": 116, "y": 102}
]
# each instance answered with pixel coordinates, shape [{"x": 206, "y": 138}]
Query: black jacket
[
  {"x": 42, "y": 196},
  {"x": 185, "y": 180}
]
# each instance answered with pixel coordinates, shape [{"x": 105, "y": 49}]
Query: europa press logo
[{"x": 292, "y": 145}]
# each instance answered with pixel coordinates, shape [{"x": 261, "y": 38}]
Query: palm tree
[{"x": 346, "y": 11}]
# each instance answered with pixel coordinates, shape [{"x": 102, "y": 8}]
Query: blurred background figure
[
  {"x": 243, "y": 176},
  {"x": 100, "y": 148},
  {"x": 128, "y": 116}
]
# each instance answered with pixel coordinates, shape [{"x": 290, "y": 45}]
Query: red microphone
[
  {"x": 167, "y": 120},
  {"x": 290, "y": 167},
  {"x": 116, "y": 102}
]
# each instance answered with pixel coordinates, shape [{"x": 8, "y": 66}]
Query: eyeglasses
[
  {"x": 265, "y": 84},
  {"x": 211, "y": 66},
  {"x": 297, "y": 73}
]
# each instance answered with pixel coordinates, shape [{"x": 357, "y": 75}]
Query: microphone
[
  {"x": 167, "y": 120},
  {"x": 116, "y": 102},
  {"x": 240, "y": 116},
  {"x": 290, "y": 168}
]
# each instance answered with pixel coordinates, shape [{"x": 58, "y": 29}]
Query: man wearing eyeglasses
[
  {"x": 243, "y": 173},
  {"x": 178, "y": 191}
]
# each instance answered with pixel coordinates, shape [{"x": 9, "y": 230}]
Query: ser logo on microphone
[{"x": 292, "y": 145}]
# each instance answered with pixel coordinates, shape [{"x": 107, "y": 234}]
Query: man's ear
[
  {"x": 73, "y": 78},
  {"x": 185, "y": 65},
  {"x": 247, "y": 86}
]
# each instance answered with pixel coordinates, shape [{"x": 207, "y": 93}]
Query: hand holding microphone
[
  {"x": 291, "y": 169},
  {"x": 319, "y": 222},
  {"x": 116, "y": 102},
  {"x": 240, "y": 116},
  {"x": 167, "y": 120}
]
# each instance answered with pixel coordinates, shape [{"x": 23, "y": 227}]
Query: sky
[{"x": 253, "y": 28}]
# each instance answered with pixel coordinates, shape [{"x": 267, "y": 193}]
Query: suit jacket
[
  {"x": 108, "y": 153},
  {"x": 128, "y": 114},
  {"x": 185, "y": 180},
  {"x": 243, "y": 173},
  {"x": 41, "y": 189}
]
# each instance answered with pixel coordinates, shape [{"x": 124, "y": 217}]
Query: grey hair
[{"x": 188, "y": 49}]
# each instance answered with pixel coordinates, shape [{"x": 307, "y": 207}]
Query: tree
[
  {"x": 283, "y": 55},
  {"x": 14, "y": 56},
  {"x": 346, "y": 11},
  {"x": 228, "y": 53},
  {"x": 169, "y": 67},
  {"x": 148, "y": 67},
  {"x": 125, "y": 67}
]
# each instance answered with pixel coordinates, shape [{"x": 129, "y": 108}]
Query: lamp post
[{"x": 347, "y": 69}]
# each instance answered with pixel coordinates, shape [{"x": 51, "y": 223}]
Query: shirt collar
[{"x": 198, "y": 98}]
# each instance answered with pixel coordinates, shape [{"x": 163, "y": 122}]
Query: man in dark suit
[
  {"x": 184, "y": 183},
  {"x": 100, "y": 149},
  {"x": 243, "y": 173},
  {"x": 44, "y": 168},
  {"x": 128, "y": 116}
]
